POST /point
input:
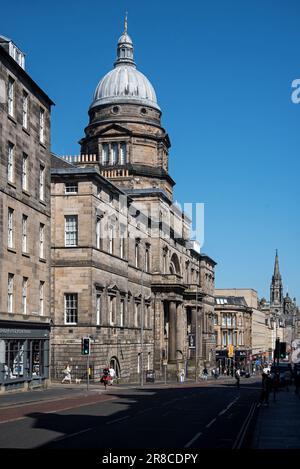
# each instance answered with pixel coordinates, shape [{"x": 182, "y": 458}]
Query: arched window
[{"x": 175, "y": 265}]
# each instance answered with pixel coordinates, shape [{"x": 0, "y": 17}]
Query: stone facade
[
  {"x": 166, "y": 285},
  {"x": 24, "y": 222}
]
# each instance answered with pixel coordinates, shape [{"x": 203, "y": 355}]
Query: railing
[{"x": 80, "y": 158}]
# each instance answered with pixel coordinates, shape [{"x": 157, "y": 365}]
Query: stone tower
[
  {"x": 276, "y": 291},
  {"x": 124, "y": 130}
]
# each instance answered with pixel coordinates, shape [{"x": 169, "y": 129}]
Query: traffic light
[
  {"x": 282, "y": 350},
  {"x": 85, "y": 346}
]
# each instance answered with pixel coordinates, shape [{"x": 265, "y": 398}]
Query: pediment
[{"x": 113, "y": 130}]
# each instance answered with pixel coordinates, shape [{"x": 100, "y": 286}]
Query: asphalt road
[{"x": 189, "y": 417}]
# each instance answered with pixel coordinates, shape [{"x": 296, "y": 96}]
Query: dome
[{"x": 125, "y": 84}]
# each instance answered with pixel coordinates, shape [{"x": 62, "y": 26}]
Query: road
[{"x": 187, "y": 417}]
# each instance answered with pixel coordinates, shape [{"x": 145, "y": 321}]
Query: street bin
[{"x": 150, "y": 376}]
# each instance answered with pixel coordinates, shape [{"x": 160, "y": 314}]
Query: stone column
[
  {"x": 158, "y": 324},
  {"x": 172, "y": 331},
  {"x": 180, "y": 332}
]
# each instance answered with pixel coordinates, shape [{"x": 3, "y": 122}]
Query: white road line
[
  {"x": 72, "y": 434},
  {"x": 117, "y": 420},
  {"x": 193, "y": 440},
  {"x": 210, "y": 423},
  {"x": 222, "y": 412}
]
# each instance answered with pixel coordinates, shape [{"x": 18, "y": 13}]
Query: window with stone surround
[
  {"x": 71, "y": 308},
  {"x": 25, "y": 172},
  {"x": 11, "y": 163},
  {"x": 114, "y": 153},
  {"x": 24, "y": 295},
  {"x": 42, "y": 125},
  {"x": 71, "y": 228},
  {"x": 71, "y": 187},
  {"x": 42, "y": 241},
  {"x": 122, "y": 312},
  {"x": 41, "y": 291},
  {"x": 10, "y": 228},
  {"x": 24, "y": 233},
  {"x": 25, "y": 110},
  {"x": 10, "y": 293},
  {"x": 98, "y": 309},
  {"x": 11, "y": 97},
  {"x": 42, "y": 183}
]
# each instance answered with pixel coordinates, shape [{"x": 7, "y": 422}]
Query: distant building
[{"x": 24, "y": 224}]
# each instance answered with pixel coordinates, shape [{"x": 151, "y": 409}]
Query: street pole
[
  {"x": 196, "y": 337},
  {"x": 88, "y": 373},
  {"x": 142, "y": 328}
]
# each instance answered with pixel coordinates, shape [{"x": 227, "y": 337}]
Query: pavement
[{"x": 277, "y": 426}]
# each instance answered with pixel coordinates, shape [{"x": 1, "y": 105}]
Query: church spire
[
  {"x": 276, "y": 267},
  {"x": 276, "y": 290}
]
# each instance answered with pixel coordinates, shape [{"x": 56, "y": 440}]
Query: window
[
  {"x": 98, "y": 233},
  {"x": 25, "y": 110},
  {"x": 240, "y": 321},
  {"x": 24, "y": 295},
  {"x": 10, "y": 228},
  {"x": 215, "y": 320},
  {"x": 25, "y": 172},
  {"x": 123, "y": 156},
  {"x": 71, "y": 188},
  {"x": 229, "y": 337},
  {"x": 147, "y": 259},
  {"x": 235, "y": 338},
  {"x": 136, "y": 255},
  {"x": 105, "y": 153},
  {"x": 224, "y": 338},
  {"x": 122, "y": 312},
  {"x": 11, "y": 97},
  {"x": 42, "y": 298},
  {"x": 11, "y": 163},
  {"x": 229, "y": 320},
  {"x": 112, "y": 310},
  {"x": 42, "y": 182},
  {"x": 114, "y": 153},
  {"x": 136, "y": 314},
  {"x": 111, "y": 240},
  {"x": 42, "y": 241},
  {"x": 98, "y": 310},
  {"x": 10, "y": 293},
  {"x": 122, "y": 243},
  {"x": 42, "y": 125},
  {"x": 71, "y": 230},
  {"x": 24, "y": 233},
  {"x": 71, "y": 305},
  {"x": 233, "y": 321},
  {"x": 224, "y": 320}
]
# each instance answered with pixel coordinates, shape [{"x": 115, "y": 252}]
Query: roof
[{"x": 230, "y": 300}]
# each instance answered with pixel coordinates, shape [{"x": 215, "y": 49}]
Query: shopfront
[{"x": 24, "y": 355}]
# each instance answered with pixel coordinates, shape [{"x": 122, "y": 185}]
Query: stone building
[
  {"x": 282, "y": 313},
  {"x": 124, "y": 268},
  {"x": 24, "y": 223}
]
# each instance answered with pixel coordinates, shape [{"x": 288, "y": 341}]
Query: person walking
[
  {"x": 205, "y": 373},
  {"x": 112, "y": 375},
  {"x": 266, "y": 389},
  {"x": 105, "y": 378},
  {"x": 238, "y": 377},
  {"x": 67, "y": 373}
]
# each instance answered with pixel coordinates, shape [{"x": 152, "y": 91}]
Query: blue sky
[{"x": 222, "y": 71}]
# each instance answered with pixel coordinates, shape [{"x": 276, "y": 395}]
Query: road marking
[
  {"x": 210, "y": 423},
  {"x": 193, "y": 440},
  {"x": 117, "y": 420},
  {"x": 72, "y": 434},
  {"x": 242, "y": 433},
  {"x": 222, "y": 412}
]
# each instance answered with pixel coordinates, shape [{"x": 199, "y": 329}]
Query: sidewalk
[{"x": 277, "y": 426}]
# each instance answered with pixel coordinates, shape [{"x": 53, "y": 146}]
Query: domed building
[{"x": 125, "y": 271}]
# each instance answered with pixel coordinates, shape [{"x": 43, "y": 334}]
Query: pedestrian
[
  {"x": 237, "y": 377},
  {"x": 112, "y": 375},
  {"x": 67, "y": 372},
  {"x": 105, "y": 378},
  {"x": 266, "y": 389},
  {"x": 205, "y": 373}
]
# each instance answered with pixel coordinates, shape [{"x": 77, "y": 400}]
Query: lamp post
[{"x": 142, "y": 327}]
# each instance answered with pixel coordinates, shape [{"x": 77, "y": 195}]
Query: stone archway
[
  {"x": 175, "y": 265},
  {"x": 114, "y": 363}
]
